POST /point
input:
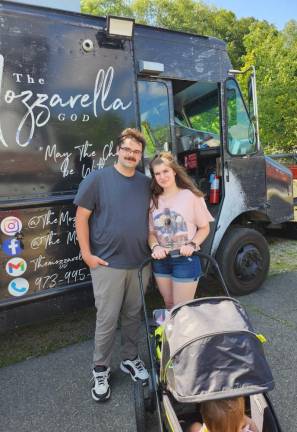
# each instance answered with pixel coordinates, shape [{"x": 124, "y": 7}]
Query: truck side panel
[
  {"x": 66, "y": 93},
  {"x": 185, "y": 57}
]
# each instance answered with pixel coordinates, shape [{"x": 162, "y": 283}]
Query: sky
[{"x": 277, "y": 12}]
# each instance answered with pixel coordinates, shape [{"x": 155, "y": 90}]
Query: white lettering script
[
  {"x": 40, "y": 262},
  {"x": 38, "y": 106}
]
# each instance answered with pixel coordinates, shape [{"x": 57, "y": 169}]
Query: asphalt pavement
[{"x": 52, "y": 393}]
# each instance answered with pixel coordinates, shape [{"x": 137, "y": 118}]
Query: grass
[
  {"x": 37, "y": 340},
  {"x": 24, "y": 343},
  {"x": 282, "y": 255}
]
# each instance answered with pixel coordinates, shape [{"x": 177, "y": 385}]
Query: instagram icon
[{"x": 11, "y": 225}]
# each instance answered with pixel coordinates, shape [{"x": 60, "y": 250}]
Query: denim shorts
[{"x": 180, "y": 269}]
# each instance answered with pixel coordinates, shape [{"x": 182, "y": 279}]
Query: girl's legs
[
  {"x": 165, "y": 288},
  {"x": 183, "y": 291},
  {"x": 185, "y": 275}
]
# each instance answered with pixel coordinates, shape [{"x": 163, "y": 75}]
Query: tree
[
  {"x": 105, "y": 7},
  {"x": 276, "y": 63}
]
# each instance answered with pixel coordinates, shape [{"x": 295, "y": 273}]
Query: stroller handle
[{"x": 200, "y": 255}]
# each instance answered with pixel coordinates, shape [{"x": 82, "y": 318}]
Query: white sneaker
[
  {"x": 101, "y": 389},
  {"x": 136, "y": 369}
]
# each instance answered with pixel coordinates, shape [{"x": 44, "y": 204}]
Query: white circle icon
[
  {"x": 16, "y": 267},
  {"x": 18, "y": 287},
  {"x": 11, "y": 225}
]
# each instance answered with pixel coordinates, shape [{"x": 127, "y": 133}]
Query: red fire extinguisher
[{"x": 214, "y": 196}]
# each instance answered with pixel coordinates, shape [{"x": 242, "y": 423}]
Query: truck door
[
  {"x": 243, "y": 252},
  {"x": 244, "y": 163}
]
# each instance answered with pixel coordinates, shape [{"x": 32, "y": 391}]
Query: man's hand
[
  {"x": 93, "y": 261},
  {"x": 160, "y": 252}
]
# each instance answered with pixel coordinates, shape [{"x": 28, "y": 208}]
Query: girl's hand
[
  {"x": 160, "y": 252},
  {"x": 187, "y": 250}
]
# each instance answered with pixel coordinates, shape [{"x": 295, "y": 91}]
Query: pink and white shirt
[{"x": 177, "y": 218}]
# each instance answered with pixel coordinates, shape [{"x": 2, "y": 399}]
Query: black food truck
[{"x": 69, "y": 84}]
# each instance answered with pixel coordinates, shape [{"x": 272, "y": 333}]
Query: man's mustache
[{"x": 130, "y": 159}]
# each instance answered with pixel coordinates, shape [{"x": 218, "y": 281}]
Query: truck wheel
[
  {"x": 243, "y": 257},
  {"x": 139, "y": 406}
]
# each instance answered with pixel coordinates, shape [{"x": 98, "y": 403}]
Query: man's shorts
[{"x": 179, "y": 269}]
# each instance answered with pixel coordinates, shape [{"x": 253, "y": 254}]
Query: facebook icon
[{"x": 12, "y": 247}]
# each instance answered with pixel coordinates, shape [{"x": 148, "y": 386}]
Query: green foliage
[
  {"x": 274, "y": 54},
  {"x": 249, "y": 41},
  {"x": 105, "y": 7}
]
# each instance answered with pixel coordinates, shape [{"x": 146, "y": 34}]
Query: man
[{"x": 112, "y": 230}]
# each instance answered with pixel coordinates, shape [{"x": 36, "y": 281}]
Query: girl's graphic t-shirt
[{"x": 177, "y": 218}]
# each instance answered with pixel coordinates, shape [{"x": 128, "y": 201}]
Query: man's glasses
[{"x": 127, "y": 150}]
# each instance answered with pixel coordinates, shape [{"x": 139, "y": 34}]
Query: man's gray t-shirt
[{"x": 119, "y": 222}]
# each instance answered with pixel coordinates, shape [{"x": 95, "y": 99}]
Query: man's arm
[{"x": 83, "y": 236}]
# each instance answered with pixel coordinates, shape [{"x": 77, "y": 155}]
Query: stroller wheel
[
  {"x": 139, "y": 406},
  {"x": 150, "y": 397}
]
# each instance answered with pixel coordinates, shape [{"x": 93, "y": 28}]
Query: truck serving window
[
  {"x": 241, "y": 133},
  {"x": 197, "y": 115},
  {"x": 154, "y": 115},
  {"x": 203, "y": 114}
]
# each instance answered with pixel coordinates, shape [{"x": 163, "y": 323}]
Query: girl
[
  {"x": 225, "y": 415},
  {"x": 179, "y": 223}
]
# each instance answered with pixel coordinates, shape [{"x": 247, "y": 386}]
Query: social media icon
[
  {"x": 16, "y": 267},
  {"x": 11, "y": 225},
  {"x": 12, "y": 247},
  {"x": 18, "y": 287}
]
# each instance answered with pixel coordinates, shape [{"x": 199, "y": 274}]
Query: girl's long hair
[
  {"x": 183, "y": 180},
  {"x": 225, "y": 415}
]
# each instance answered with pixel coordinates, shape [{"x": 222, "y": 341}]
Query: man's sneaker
[
  {"x": 101, "y": 389},
  {"x": 136, "y": 369}
]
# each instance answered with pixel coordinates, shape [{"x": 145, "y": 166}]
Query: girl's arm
[
  {"x": 197, "y": 240},
  {"x": 201, "y": 235}
]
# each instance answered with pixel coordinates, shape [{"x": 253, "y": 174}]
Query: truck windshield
[
  {"x": 241, "y": 131},
  {"x": 154, "y": 115}
]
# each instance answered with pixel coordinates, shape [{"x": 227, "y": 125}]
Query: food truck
[{"x": 69, "y": 84}]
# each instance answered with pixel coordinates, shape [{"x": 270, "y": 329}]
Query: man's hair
[{"x": 133, "y": 134}]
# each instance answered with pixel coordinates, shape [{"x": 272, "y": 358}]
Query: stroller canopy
[{"x": 210, "y": 351}]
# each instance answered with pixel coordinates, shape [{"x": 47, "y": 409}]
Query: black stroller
[{"x": 205, "y": 350}]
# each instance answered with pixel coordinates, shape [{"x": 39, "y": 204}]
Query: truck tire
[{"x": 243, "y": 257}]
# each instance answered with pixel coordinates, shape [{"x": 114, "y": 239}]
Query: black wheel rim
[{"x": 248, "y": 263}]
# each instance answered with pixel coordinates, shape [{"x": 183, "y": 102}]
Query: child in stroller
[{"x": 226, "y": 415}]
